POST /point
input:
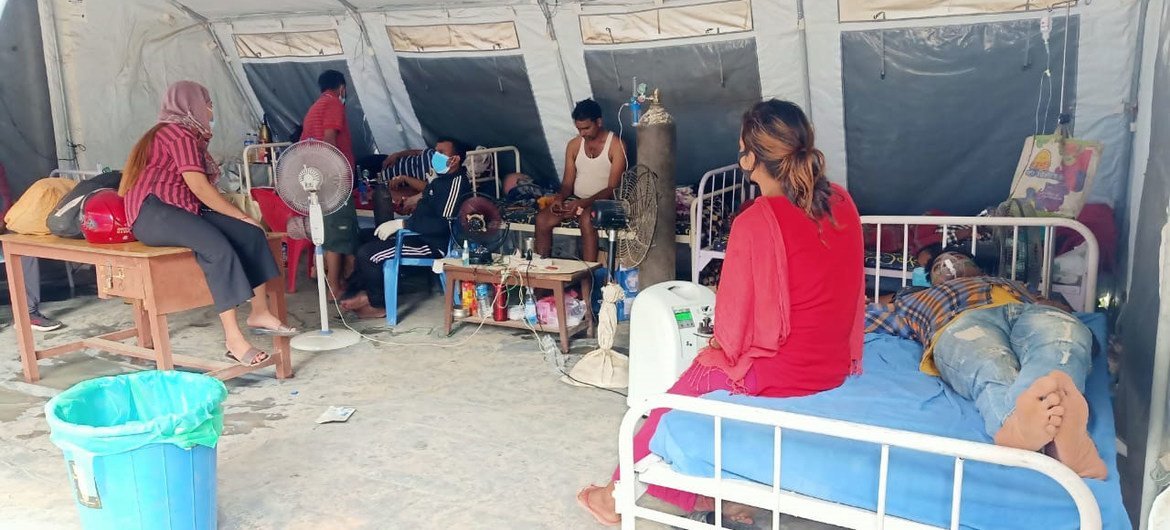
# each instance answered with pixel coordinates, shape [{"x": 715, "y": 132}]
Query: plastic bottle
[
  {"x": 530, "y": 308},
  {"x": 466, "y": 253},
  {"x": 468, "y": 295},
  {"x": 483, "y": 300}
]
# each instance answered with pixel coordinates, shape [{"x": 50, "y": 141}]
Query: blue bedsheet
[{"x": 893, "y": 393}]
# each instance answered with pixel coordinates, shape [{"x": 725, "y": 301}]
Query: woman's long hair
[
  {"x": 137, "y": 161},
  {"x": 782, "y": 139}
]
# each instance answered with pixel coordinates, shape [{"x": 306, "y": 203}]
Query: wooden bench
[{"x": 157, "y": 281}]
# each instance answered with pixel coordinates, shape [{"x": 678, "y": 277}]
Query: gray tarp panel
[
  {"x": 1139, "y": 321},
  {"x": 27, "y": 149},
  {"x": 944, "y": 129},
  {"x": 286, "y": 90},
  {"x": 706, "y": 87},
  {"x": 480, "y": 100}
]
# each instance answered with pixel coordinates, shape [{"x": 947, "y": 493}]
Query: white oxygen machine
[{"x": 669, "y": 323}]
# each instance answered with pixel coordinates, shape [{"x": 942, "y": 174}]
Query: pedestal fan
[
  {"x": 629, "y": 223},
  {"x": 314, "y": 179}
]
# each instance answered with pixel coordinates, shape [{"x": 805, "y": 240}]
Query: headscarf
[{"x": 188, "y": 103}]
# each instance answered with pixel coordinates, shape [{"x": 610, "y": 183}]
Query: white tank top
[{"x": 592, "y": 173}]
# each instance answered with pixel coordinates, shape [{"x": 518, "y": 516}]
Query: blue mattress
[{"x": 893, "y": 393}]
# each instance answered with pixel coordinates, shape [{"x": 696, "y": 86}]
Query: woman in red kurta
[{"x": 790, "y": 306}]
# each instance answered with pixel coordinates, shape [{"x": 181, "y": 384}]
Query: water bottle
[
  {"x": 530, "y": 308},
  {"x": 466, "y": 253},
  {"x": 250, "y": 139},
  {"x": 483, "y": 299}
]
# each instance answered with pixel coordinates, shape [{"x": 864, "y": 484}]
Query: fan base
[{"x": 334, "y": 339}]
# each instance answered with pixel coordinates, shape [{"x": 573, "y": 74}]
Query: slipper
[
  {"x": 728, "y": 523},
  {"x": 582, "y": 499},
  {"x": 282, "y": 331},
  {"x": 249, "y": 358}
]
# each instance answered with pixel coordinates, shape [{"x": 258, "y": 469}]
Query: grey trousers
[{"x": 32, "y": 282}]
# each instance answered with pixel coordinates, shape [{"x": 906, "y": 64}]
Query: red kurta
[{"x": 790, "y": 303}]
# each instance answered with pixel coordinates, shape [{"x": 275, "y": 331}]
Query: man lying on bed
[{"x": 1020, "y": 358}]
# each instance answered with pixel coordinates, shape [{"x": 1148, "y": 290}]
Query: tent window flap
[
  {"x": 870, "y": 10},
  {"x": 454, "y": 37},
  {"x": 300, "y": 44},
  {"x": 667, "y": 23}
]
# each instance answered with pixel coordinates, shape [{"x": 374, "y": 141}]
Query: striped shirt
[
  {"x": 328, "y": 113},
  {"x": 175, "y": 149},
  {"x": 417, "y": 166},
  {"x": 922, "y": 315}
]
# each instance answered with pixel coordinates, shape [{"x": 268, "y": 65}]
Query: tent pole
[
  {"x": 802, "y": 26},
  {"x": 353, "y": 12},
  {"x": 552, "y": 34},
  {"x": 58, "y": 103},
  {"x": 244, "y": 92}
]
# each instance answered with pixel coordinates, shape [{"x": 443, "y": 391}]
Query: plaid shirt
[{"x": 921, "y": 315}]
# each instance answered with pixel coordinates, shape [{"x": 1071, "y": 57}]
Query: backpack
[{"x": 65, "y": 219}]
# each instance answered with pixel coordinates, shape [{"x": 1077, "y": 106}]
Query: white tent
[{"x": 913, "y": 99}]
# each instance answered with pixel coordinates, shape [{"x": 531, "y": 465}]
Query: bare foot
[
  {"x": 356, "y": 302},
  {"x": 370, "y": 311},
  {"x": 1072, "y": 445},
  {"x": 740, "y": 513},
  {"x": 599, "y": 502},
  {"x": 1032, "y": 425}
]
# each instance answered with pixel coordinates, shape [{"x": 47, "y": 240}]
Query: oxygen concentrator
[{"x": 669, "y": 323}]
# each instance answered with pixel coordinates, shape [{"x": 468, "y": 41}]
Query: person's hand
[
  {"x": 387, "y": 229},
  {"x": 571, "y": 208},
  {"x": 557, "y": 205},
  {"x": 409, "y": 204},
  {"x": 390, "y": 161},
  {"x": 714, "y": 344}
]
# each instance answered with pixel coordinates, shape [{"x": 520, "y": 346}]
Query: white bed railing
[
  {"x": 778, "y": 500},
  {"x": 945, "y": 224},
  {"x": 74, "y": 174},
  {"x": 272, "y": 151},
  {"x": 652, "y": 470},
  {"x": 725, "y": 189},
  {"x": 494, "y": 175}
]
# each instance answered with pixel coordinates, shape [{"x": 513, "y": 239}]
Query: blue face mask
[
  {"x": 211, "y": 124},
  {"x": 439, "y": 162}
]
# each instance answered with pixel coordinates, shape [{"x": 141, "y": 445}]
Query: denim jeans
[{"x": 993, "y": 355}]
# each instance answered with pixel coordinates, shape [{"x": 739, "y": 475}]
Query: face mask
[
  {"x": 342, "y": 98},
  {"x": 211, "y": 124},
  {"x": 439, "y": 162}
]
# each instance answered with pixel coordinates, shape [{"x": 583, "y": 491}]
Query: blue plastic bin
[{"x": 140, "y": 449}]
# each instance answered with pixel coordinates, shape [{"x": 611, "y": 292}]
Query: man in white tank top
[{"x": 594, "y": 162}]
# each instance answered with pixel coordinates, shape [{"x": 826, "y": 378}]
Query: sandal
[
  {"x": 728, "y": 523},
  {"x": 583, "y": 500},
  {"x": 250, "y": 358},
  {"x": 282, "y": 331}
]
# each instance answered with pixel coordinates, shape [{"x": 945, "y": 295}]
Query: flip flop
[
  {"x": 282, "y": 331},
  {"x": 249, "y": 358},
  {"x": 728, "y": 523},
  {"x": 583, "y": 500}
]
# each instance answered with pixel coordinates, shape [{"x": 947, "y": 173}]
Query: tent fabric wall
[
  {"x": 1106, "y": 61},
  {"x": 1144, "y": 325},
  {"x": 720, "y": 82},
  {"x": 286, "y": 90},
  {"x": 27, "y": 152},
  {"x": 118, "y": 58},
  {"x": 953, "y": 103}
]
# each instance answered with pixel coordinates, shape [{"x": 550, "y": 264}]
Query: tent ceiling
[{"x": 227, "y": 9}]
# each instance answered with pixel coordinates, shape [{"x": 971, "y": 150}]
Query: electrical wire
[{"x": 505, "y": 274}]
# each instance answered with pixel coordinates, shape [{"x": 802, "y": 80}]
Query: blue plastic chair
[{"x": 391, "y": 267}]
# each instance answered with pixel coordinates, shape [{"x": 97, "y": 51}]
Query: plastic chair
[
  {"x": 276, "y": 215},
  {"x": 391, "y": 267}
]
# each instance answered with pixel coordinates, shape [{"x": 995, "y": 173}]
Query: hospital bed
[{"x": 892, "y": 448}]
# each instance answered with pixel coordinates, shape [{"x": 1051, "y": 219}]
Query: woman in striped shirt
[{"x": 171, "y": 200}]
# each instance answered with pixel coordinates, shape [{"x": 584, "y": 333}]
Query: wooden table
[
  {"x": 157, "y": 281},
  {"x": 566, "y": 272}
]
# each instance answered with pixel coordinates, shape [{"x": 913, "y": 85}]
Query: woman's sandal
[
  {"x": 282, "y": 331},
  {"x": 249, "y": 358},
  {"x": 583, "y": 500}
]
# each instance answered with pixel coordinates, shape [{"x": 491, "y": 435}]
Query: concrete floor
[{"x": 461, "y": 432}]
